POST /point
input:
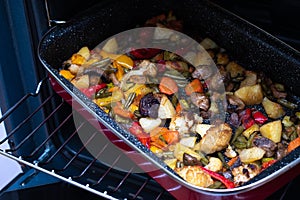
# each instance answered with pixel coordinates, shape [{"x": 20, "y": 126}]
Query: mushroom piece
[
  {"x": 189, "y": 160},
  {"x": 146, "y": 68},
  {"x": 200, "y": 100},
  {"x": 202, "y": 72}
]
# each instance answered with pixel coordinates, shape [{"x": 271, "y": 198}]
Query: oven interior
[{"x": 40, "y": 126}]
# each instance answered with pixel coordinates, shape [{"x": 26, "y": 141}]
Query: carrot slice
[
  {"x": 168, "y": 85},
  {"x": 178, "y": 108},
  {"x": 171, "y": 136},
  {"x": 194, "y": 86},
  {"x": 118, "y": 110},
  {"x": 232, "y": 161},
  {"x": 293, "y": 144}
]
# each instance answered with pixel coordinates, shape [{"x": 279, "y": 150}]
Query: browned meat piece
[
  {"x": 216, "y": 138},
  {"x": 281, "y": 152},
  {"x": 200, "y": 100},
  {"x": 195, "y": 176},
  {"x": 233, "y": 100},
  {"x": 202, "y": 72},
  {"x": 266, "y": 144},
  {"x": 276, "y": 93}
]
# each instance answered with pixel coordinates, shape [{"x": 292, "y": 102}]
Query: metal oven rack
[{"x": 60, "y": 154}]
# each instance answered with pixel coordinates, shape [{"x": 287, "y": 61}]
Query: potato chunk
[
  {"x": 272, "y": 131},
  {"x": 252, "y": 154},
  {"x": 274, "y": 110},
  {"x": 250, "y": 95}
]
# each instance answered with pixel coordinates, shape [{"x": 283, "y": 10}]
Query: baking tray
[{"x": 249, "y": 45}]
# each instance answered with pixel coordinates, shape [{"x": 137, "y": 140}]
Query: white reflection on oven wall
[{"x": 9, "y": 169}]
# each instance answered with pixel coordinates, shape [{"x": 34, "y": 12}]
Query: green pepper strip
[{"x": 229, "y": 184}]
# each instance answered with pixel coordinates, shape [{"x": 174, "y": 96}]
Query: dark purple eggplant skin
[{"x": 148, "y": 106}]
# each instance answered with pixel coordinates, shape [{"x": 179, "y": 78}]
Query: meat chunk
[
  {"x": 266, "y": 144},
  {"x": 195, "y": 176},
  {"x": 216, "y": 138}
]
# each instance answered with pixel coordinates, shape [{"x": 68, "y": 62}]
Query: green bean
[
  {"x": 102, "y": 63},
  {"x": 241, "y": 138},
  {"x": 266, "y": 89},
  {"x": 102, "y": 93},
  {"x": 220, "y": 155},
  {"x": 215, "y": 185},
  {"x": 238, "y": 132},
  {"x": 184, "y": 104},
  {"x": 204, "y": 161},
  {"x": 137, "y": 114},
  {"x": 240, "y": 145},
  {"x": 287, "y": 104},
  {"x": 250, "y": 140},
  {"x": 294, "y": 135},
  {"x": 285, "y": 136},
  {"x": 121, "y": 119},
  {"x": 279, "y": 87}
]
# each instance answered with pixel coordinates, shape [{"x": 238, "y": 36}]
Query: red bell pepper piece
[
  {"x": 246, "y": 118},
  {"x": 259, "y": 117},
  {"x": 225, "y": 181},
  {"x": 89, "y": 92},
  {"x": 138, "y": 131},
  {"x": 247, "y": 123},
  {"x": 145, "y": 53},
  {"x": 267, "y": 164}
]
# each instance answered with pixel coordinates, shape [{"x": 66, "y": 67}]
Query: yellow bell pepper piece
[
  {"x": 133, "y": 108},
  {"x": 124, "y": 61},
  {"x": 116, "y": 96},
  {"x": 138, "y": 89},
  {"x": 155, "y": 149},
  {"x": 105, "y": 54},
  {"x": 77, "y": 59},
  {"x": 66, "y": 74},
  {"x": 120, "y": 71}
]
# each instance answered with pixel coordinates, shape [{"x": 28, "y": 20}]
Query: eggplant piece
[{"x": 148, "y": 106}]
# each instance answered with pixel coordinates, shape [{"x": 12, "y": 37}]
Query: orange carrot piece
[
  {"x": 168, "y": 85},
  {"x": 293, "y": 144},
  {"x": 178, "y": 108},
  {"x": 232, "y": 161},
  {"x": 118, "y": 110},
  {"x": 155, "y": 133},
  {"x": 194, "y": 86},
  {"x": 171, "y": 136}
]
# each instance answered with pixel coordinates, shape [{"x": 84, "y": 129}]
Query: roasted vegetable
[
  {"x": 272, "y": 130},
  {"x": 250, "y": 95},
  {"x": 273, "y": 109},
  {"x": 177, "y": 108}
]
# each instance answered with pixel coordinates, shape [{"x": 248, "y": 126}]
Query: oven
[{"x": 40, "y": 130}]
